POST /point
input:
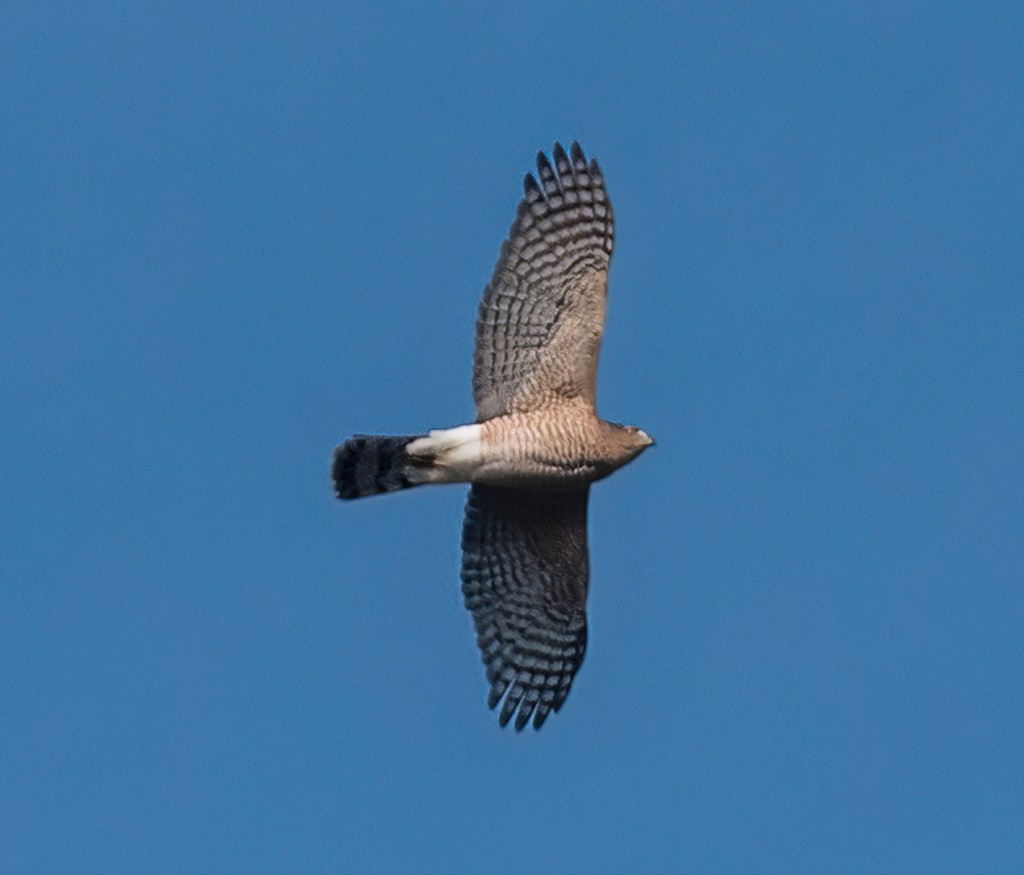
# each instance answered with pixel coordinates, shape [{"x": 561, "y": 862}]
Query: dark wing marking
[
  {"x": 524, "y": 578},
  {"x": 539, "y": 325}
]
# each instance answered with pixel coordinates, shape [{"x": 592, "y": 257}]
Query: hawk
[{"x": 537, "y": 443}]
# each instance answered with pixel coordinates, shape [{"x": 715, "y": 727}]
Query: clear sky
[{"x": 232, "y": 235}]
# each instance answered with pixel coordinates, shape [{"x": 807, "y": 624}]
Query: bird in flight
[{"x": 537, "y": 443}]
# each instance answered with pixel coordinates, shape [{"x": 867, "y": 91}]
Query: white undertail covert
[{"x": 454, "y": 454}]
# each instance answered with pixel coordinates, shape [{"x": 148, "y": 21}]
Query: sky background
[{"x": 233, "y": 234}]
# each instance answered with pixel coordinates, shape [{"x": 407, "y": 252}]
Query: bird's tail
[{"x": 366, "y": 464}]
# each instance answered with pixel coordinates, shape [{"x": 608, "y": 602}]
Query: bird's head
[
  {"x": 640, "y": 438},
  {"x": 631, "y": 440}
]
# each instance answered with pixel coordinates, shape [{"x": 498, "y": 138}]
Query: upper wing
[
  {"x": 539, "y": 326},
  {"x": 524, "y": 577}
]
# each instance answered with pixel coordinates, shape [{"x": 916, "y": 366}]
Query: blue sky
[{"x": 233, "y": 235}]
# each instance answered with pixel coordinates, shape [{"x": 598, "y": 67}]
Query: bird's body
[
  {"x": 536, "y": 447},
  {"x": 539, "y": 449}
]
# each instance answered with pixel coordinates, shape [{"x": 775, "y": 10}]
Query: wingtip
[
  {"x": 548, "y": 177},
  {"x": 493, "y": 697},
  {"x": 512, "y": 700},
  {"x": 504, "y": 716},
  {"x": 526, "y": 708},
  {"x": 544, "y": 165}
]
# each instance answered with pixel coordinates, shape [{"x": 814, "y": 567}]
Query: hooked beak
[{"x": 649, "y": 440}]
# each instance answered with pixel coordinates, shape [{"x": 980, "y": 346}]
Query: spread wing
[
  {"x": 524, "y": 577},
  {"x": 539, "y": 325}
]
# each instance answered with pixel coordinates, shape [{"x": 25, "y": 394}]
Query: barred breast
[{"x": 555, "y": 447}]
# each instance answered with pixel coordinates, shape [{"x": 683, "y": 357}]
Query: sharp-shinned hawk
[{"x": 537, "y": 443}]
